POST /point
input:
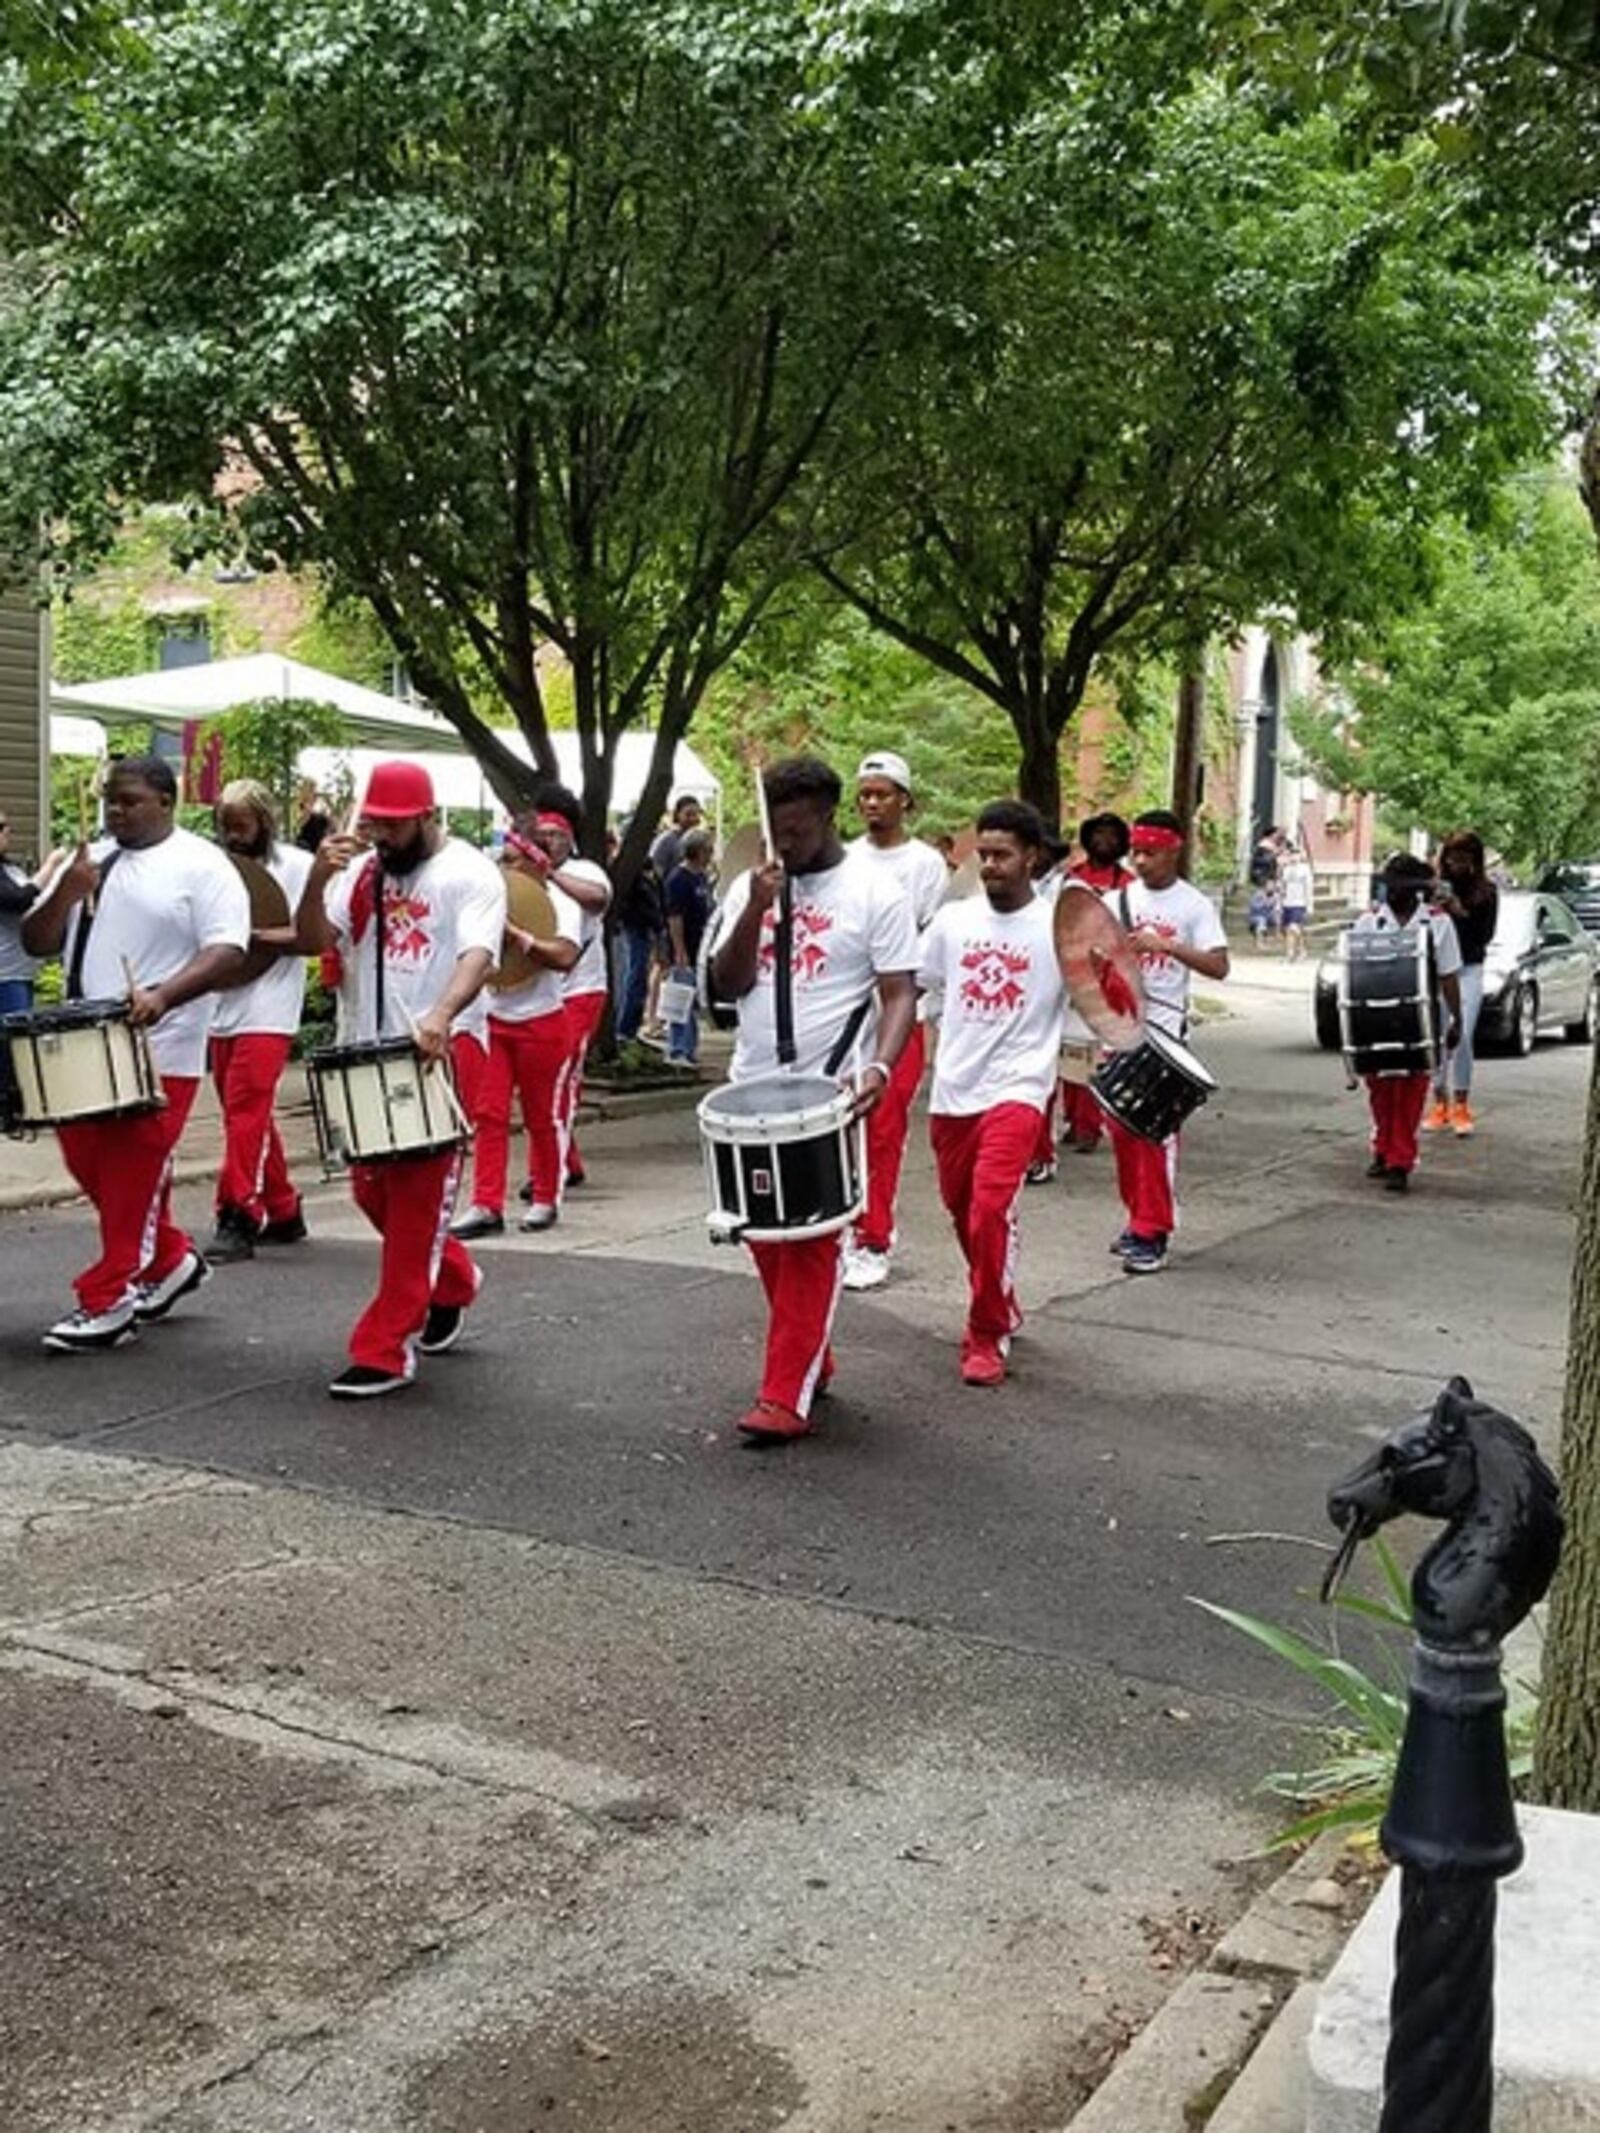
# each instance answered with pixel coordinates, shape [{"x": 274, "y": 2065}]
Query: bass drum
[
  {"x": 1154, "y": 1087},
  {"x": 1388, "y": 1023}
]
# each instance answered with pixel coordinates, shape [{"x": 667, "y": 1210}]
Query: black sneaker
[
  {"x": 526, "y": 1191},
  {"x": 1145, "y": 1255},
  {"x": 290, "y": 1230},
  {"x": 154, "y": 1299},
  {"x": 1118, "y": 1247},
  {"x": 1397, "y": 1181},
  {"x": 478, "y": 1222},
  {"x": 1377, "y": 1168},
  {"x": 574, "y": 1177},
  {"x": 93, "y": 1329},
  {"x": 442, "y": 1328},
  {"x": 233, "y": 1238},
  {"x": 362, "y": 1381}
]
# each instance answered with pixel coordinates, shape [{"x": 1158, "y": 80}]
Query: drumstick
[
  {"x": 461, "y": 1117},
  {"x": 127, "y": 972},
  {"x": 764, "y": 817}
]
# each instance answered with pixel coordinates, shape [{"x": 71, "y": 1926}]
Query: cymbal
[
  {"x": 741, "y": 852},
  {"x": 269, "y": 908},
  {"x": 963, "y": 881},
  {"x": 1100, "y": 970},
  {"x": 528, "y": 907}
]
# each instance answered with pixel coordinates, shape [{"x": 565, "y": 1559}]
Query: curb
[{"x": 1226, "y": 2051}]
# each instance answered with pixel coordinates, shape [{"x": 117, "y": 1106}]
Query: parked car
[
  {"x": 1541, "y": 978},
  {"x": 1577, "y": 883}
]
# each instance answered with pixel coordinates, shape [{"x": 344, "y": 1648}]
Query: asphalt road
[{"x": 533, "y": 1754}]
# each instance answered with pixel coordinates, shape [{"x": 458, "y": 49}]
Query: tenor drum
[
  {"x": 1388, "y": 1023},
  {"x": 383, "y": 1102},
  {"x": 1152, "y": 1088},
  {"x": 81, "y": 1060},
  {"x": 784, "y": 1159}
]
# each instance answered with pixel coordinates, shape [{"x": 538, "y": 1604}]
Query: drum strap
[
  {"x": 80, "y": 939},
  {"x": 847, "y": 1037},
  {"x": 379, "y": 932},
  {"x": 783, "y": 974}
]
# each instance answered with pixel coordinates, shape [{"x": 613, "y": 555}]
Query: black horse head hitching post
[{"x": 1451, "y": 1825}]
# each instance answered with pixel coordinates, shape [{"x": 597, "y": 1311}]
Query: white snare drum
[
  {"x": 784, "y": 1160},
  {"x": 380, "y": 1103},
  {"x": 80, "y": 1060}
]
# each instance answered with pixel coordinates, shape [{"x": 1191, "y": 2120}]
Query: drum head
[
  {"x": 528, "y": 907},
  {"x": 797, "y": 1101},
  {"x": 65, "y": 1014},
  {"x": 1180, "y": 1056}
]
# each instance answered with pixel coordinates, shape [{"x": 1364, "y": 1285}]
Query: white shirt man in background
[
  {"x": 993, "y": 957},
  {"x": 159, "y": 918},
  {"x": 885, "y": 799}
]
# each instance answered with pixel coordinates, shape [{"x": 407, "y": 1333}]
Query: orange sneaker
[
  {"x": 1462, "y": 1119},
  {"x": 1437, "y": 1116}
]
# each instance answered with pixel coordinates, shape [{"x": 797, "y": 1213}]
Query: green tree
[
  {"x": 1208, "y": 364},
  {"x": 263, "y": 740},
  {"x": 1482, "y": 705}
]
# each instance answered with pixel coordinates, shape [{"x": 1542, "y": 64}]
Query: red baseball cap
[{"x": 397, "y": 789}]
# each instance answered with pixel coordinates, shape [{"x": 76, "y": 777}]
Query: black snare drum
[
  {"x": 785, "y": 1159},
  {"x": 1388, "y": 1022},
  {"x": 1154, "y": 1087}
]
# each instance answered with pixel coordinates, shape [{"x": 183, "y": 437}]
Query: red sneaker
[
  {"x": 769, "y": 1423},
  {"x": 982, "y": 1362}
]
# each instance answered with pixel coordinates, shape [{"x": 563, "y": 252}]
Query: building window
[{"x": 185, "y": 641}]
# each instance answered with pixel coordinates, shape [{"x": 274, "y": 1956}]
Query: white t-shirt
[
  {"x": 1003, "y": 999},
  {"x": 162, "y": 904},
  {"x": 1179, "y": 913},
  {"x": 852, "y": 925},
  {"x": 588, "y": 973},
  {"x": 545, "y": 992},
  {"x": 454, "y": 902},
  {"x": 272, "y": 1005},
  {"x": 1446, "y": 941},
  {"x": 1297, "y": 880}
]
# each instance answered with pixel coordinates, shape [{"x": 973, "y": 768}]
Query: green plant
[{"x": 1346, "y": 1785}]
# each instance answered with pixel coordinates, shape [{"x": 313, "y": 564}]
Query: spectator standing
[
  {"x": 19, "y": 892},
  {"x": 639, "y": 922},
  {"x": 687, "y": 898},
  {"x": 1471, "y": 902},
  {"x": 1299, "y": 897}
]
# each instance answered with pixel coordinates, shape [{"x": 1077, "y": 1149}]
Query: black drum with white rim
[
  {"x": 382, "y": 1103},
  {"x": 1388, "y": 1017},
  {"x": 80, "y": 1060},
  {"x": 1153, "y": 1086},
  {"x": 785, "y": 1160}
]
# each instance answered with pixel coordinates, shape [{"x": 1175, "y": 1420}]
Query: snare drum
[
  {"x": 1388, "y": 1023},
  {"x": 380, "y": 1103},
  {"x": 1152, "y": 1088},
  {"x": 784, "y": 1159},
  {"x": 77, "y": 1061}
]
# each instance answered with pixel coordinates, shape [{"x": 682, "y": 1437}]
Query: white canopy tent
[{"x": 378, "y": 726}]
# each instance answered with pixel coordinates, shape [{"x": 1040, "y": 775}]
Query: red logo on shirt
[
  {"x": 994, "y": 984},
  {"x": 809, "y": 956},
  {"x": 405, "y": 933}
]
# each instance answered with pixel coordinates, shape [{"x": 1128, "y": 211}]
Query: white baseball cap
[{"x": 884, "y": 763}]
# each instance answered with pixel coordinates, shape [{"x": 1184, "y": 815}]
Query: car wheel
[
  {"x": 1525, "y": 1022},
  {"x": 1584, "y": 1032}
]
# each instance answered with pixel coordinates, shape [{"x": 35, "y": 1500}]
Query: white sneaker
[
  {"x": 154, "y": 1299},
  {"x": 93, "y": 1329},
  {"x": 865, "y": 1268}
]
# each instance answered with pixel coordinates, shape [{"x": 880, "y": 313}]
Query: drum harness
[
  {"x": 80, "y": 939},
  {"x": 783, "y": 993}
]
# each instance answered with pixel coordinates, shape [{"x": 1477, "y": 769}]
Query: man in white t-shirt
[
  {"x": 884, "y": 796},
  {"x": 993, "y": 957},
  {"x": 252, "y": 1032},
  {"x": 1397, "y": 1101},
  {"x": 530, "y": 1055},
  {"x": 168, "y": 924},
  {"x": 551, "y": 839},
  {"x": 1176, "y": 932},
  {"x": 853, "y": 950},
  {"x": 418, "y": 921}
]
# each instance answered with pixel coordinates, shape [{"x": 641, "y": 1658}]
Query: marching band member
[
  {"x": 1174, "y": 930},
  {"x": 168, "y": 922},
  {"x": 884, "y": 796},
  {"x": 1104, "y": 839},
  {"x": 418, "y": 921},
  {"x": 252, "y": 1032},
  {"x": 1397, "y": 1101},
  {"x": 530, "y": 1054},
  {"x": 851, "y": 936},
  {"x": 993, "y": 957},
  {"x": 555, "y": 828}
]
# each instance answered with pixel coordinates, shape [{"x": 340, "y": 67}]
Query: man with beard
[
  {"x": 418, "y": 921},
  {"x": 251, "y": 1035},
  {"x": 853, "y": 948},
  {"x": 159, "y": 917}
]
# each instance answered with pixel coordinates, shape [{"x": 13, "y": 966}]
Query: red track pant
[
  {"x": 124, "y": 1165},
  {"x": 254, "y": 1174},
  {"x": 982, "y": 1162},
  {"x": 888, "y": 1123},
  {"x": 469, "y": 1062},
  {"x": 1147, "y": 1177},
  {"x": 1398, "y": 1102},
  {"x": 531, "y": 1059},
  {"x": 1081, "y": 1117},
  {"x": 802, "y": 1284},
  {"x": 409, "y": 1204},
  {"x": 584, "y": 1012}
]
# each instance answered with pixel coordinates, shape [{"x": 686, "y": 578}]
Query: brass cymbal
[
  {"x": 741, "y": 852},
  {"x": 1099, "y": 968},
  {"x": 529, "y": 909},
  {"x": 269, "y": 909}
]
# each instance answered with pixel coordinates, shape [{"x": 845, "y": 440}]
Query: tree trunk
[
  {"x": 1038, "y": 767},
  {"x": 1567, "y": 1757},
  {"x": 1187, "y": 745}
]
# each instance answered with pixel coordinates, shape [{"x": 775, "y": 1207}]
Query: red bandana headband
[
  {"x": 553, "y": 822},
  {"x": 1151, "y": 837}
]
